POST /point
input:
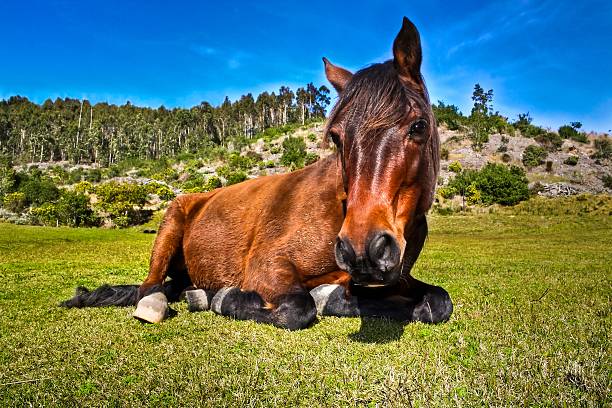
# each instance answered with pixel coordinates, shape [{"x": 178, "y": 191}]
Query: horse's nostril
[
  {"x": 345, "y": 254},
  {"x": 384, "y": 251}
]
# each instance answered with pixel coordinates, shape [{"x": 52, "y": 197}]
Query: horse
[{"x": 338, "y": 237}]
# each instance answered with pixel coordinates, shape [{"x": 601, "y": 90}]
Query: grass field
[{"x": 531, "y": 326}]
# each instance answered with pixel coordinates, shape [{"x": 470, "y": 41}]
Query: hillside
[{"x": 129, "y": 192}]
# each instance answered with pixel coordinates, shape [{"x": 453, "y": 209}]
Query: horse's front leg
[
  {"x": 417, "y": 301},
  {"x": 276, "y": 297}
]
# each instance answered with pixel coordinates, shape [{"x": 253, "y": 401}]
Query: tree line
[{"x": 77, "y": 131}]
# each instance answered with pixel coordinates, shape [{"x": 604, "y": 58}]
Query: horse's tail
[
  {"x": 127, "y": 295},
  {"x": 105, "y": 295}
]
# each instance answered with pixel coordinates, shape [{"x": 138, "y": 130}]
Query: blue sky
[{"x": 551, "y": 58}]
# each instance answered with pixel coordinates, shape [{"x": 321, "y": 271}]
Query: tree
[{"x": 480, "y": 116}]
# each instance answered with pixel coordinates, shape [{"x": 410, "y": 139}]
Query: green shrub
[
  {"x": 550, "y": 141},
  {"x": 168, "y": 175},
  {"x": 84, "y": 187},
  {"x": 93, "y": 175},
  {"x": 444, "y": 153},
  {"x": 123, "y": 202},
  {"x": 571, "y": 132},
  {"x": 447, "y": 192},
  {"x": 294, "y": 152},
  {"x": 523, "y": 125},
  {"x": 76, "y": 175},
  {"x": 571, "y": 160},
  {"x": 73, "y": 209},
  {"x": 312, "y": 137},
  {"x": 161, "y": 190},
  {"x": 113, "y": 192},
  {"x": 45, "y": 214},
  {"x": 534, "y": 156},
  {"x": 14, "y": 202},
  {"x": 455, "y": 167},
  {"x": 448, "y": 115},
  {"x": 238, "y": 162},
  {"x": 236, "y": 177},
  {"x": 497, "y": 183},
  {"x": 39, "y": 190},
  {"x": 311, "y": 158},
  {"x": 473, "y": 195},
  {"x": 212, "y": 183}
]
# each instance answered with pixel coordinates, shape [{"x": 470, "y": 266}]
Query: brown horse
[{"x": 339, "y": 236}]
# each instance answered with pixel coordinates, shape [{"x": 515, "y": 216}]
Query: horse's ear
[
  {"x": 407, "y": 54},
  {"x": 336, "y": 76}
]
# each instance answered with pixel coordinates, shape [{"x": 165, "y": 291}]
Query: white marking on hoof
[
  {"x": 325, "y": 293},
  {"x": 152, "y": 308},
  {"x": 197, "y": 300},
  {"x": 217, "y": 300}
]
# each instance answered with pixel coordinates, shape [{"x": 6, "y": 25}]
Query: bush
[
  {"x": 73, "y": 209},
  {"x": 550, "y": 141},
  {"x": 473, "y": 195},
  {"x": 444, "y": 153},
  {"x": 449, "y": 115},
  {"x": 311, "y": 158},
  {"x": 84, "y": 187},
  {"x": 75, "y": 176},
  {"x": 93, "y": 176},
  {"x": 235, "y": 178},
  {"x": 14, "y": 202},
  {"x": 39, "y": 191},
  {"x": 534, "y": 156},
  {"x": 161, "y": 190},
  {"x": 506, "y": 158},
  {"x": 571, "y": 160},
  {"x": 312, "y": 137},
  {"x": 294, "y": 152},
  {"x": 447, "y": 192},
  {"x": 523, "y": 125},
  {"x": 455, "y": 167},
  {"x": 496, "y": 183},
  {"x": 46, "y": 214},
  {"x": 123, "y": 202},
  {"x": 571, "y": 132}
]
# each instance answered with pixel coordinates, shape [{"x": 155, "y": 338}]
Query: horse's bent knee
[
  {"x": 293, "y": 312},
  {"x": 435, "y": 307}
]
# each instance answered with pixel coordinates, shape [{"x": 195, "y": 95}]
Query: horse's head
[{"x": 388, "y": 146}]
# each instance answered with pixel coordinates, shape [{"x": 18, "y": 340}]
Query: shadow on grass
[{"x": 378, "y": 330}]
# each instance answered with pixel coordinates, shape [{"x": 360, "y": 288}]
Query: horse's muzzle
[{"x": 379, "y": 265}]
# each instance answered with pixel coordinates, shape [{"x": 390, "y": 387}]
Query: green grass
[{"x": 531, "y": 327}]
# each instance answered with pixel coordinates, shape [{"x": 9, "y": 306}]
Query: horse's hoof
[
  {"x": 197, "y": 300},
  {"x": 217, "y": 300},
  {"x": 152, "y": 308},
  {"x": 328, "y": 294}
]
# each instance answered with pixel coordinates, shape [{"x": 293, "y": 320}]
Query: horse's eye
[
  {"x": 418, "y": 130},
  {"x": 335, "y": 137}
]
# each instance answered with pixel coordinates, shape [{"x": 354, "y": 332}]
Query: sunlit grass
[{"x": 531, "y": 327}]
